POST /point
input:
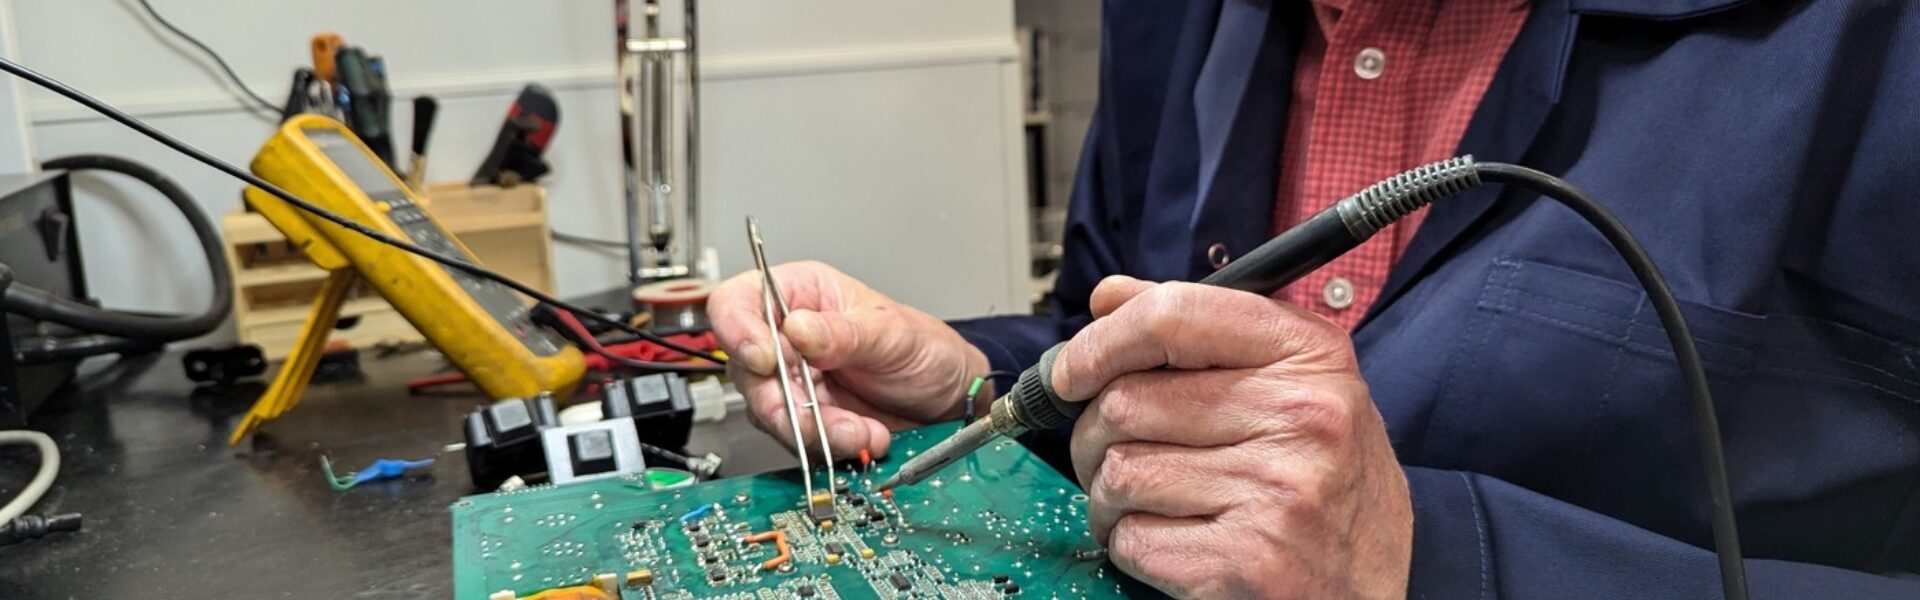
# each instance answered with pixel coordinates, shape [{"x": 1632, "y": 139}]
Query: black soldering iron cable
[
  {"x": 1033, "y": 405},
  {"x": 202, "y": 157},
  {"x": 1726, "y": 536},
  {"x": 1352, "y": 220}
]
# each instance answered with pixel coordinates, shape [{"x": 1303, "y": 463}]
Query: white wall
[
  {"x": 880, "y": 135},
  {"x": 16, "y": 148}
]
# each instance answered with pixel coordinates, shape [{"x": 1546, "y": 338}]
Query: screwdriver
[{"x": 1033, "y": 404}]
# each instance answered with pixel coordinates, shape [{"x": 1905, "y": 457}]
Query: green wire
[
  {"x": 339, "y": 483},
  {"x": 973, "y": 391}
]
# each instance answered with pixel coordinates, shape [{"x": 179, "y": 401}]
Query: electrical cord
[
  {"x": 30, "y": 527},
  {"x": 581, "y": 240},
  {"x": 42, "y": 479},
  {"x": 236, "y": 172},
  {"x": 248, "y": 92},
  {"x": 973, "y": 392},
  {"x": 1726, "y": 538},
  {"x": 47, "y": 349},
  {"x": 125, "y": 330},
  {"x": 585, "y": 338}
]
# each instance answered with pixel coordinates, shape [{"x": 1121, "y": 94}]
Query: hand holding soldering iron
[{"x": 1231, "y": 449}]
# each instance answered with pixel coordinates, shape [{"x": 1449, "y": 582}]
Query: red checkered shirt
[{"x": 1380, "y": 86}]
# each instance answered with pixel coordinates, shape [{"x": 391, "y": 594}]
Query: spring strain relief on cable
[{"x": 1383, "y": 203}]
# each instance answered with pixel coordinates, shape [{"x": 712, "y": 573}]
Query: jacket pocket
[{"x": 1821, "y": 421}]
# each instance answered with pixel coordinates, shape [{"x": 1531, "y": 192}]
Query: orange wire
[{"x": 779, "y": 542}]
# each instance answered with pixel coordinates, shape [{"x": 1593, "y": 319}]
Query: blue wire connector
[
  {"x": 696, "y": 513},
  {"x": 385, "y": 468}
]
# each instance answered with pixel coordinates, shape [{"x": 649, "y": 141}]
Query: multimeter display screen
[
  {"x": 356, "y": 163},
  {"x": 373, "y": 180}
]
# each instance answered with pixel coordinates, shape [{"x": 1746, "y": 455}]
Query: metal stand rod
[
  {"x": 691, "y": 197},
  {"x": 650, "y": 89}
]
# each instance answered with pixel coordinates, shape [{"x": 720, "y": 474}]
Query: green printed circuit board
[{"x": 998, "y": 524}]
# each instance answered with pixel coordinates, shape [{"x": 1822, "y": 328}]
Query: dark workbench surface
[{"x": 172, "y": 512}]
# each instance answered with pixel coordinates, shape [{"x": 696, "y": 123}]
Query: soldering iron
[{"x": 1033, "y": 404}]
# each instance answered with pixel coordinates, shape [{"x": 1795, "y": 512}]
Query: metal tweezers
[{"x": 774, "y": 305}]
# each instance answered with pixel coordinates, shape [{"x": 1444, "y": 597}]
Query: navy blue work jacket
[{"x": 1767, "y": 153}]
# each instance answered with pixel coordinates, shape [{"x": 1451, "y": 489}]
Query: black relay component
[
  {"x": 503, "y": 439},
  {"x": 660, "y": 406}
]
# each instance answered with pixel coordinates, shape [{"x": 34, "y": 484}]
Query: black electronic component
[
  {"x": 857, "y": 500},
  {"x": 1010, "y": 589},
  {"x": 805, "y": 591},
  {"x": 900, "y": 582},
  {"x": 224, "y": 365},
  {"x": 1001, "y": 579},
  {"x": 612, "y": 449},
  {"x": 503, "y": 439},
  {"x": 46, "y": 255},
  {"x": 659, "y": 404},
  {"x": 592, "y": 451},
  {"x": 836, "y": 548}
]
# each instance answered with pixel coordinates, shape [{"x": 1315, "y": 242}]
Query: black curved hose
[
  {"x": 44, "y": 305},
  {"x": 1726, "y": 536}
]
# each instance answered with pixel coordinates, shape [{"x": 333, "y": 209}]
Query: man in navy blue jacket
[{"x": 1506, "y": 421}]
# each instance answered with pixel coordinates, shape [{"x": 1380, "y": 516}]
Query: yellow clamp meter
[{"x": 483, "y": 327}]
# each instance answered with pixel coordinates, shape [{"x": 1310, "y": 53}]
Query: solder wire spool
[{"x": 675, "y": 304}]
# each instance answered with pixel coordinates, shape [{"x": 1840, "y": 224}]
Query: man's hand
[
  {"x": 879, "y": 365},
  {"x": 1254, "y": 465}
]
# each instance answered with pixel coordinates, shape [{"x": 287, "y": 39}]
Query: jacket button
[
  {"x": 1218, "y": 256},
  {"x": 1338, "y": 294}
]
